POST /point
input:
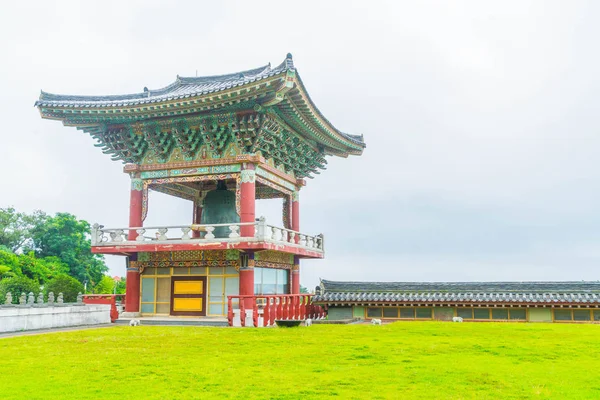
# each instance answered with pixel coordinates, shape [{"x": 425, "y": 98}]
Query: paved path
[{"x": 42, "y": 331}]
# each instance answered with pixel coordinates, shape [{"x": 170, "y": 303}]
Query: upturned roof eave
[
  {"x": 355, "y": 142},
  {"x": 341, "y": 142}
]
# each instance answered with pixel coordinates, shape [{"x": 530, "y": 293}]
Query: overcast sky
[{"x": 481, "y": 123}]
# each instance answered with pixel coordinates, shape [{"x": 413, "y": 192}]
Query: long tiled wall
[{"x": 511, "y": 314}]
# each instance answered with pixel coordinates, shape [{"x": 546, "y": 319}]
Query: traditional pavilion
[{"x": 221, "y": 142}]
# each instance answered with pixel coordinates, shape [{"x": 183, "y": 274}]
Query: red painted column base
[
  {"x": 132, "y": 290},
  {"x": 295, "y": 282},
  {"x": 247, "y": 285}
]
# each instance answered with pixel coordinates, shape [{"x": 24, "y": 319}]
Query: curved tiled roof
[
  {"x": 187, "y": 95},
  {"x": 182, "y": 87},
  {"x": 527, "y": 286},
  {"x": 454, "y": 297},
  {"x": 459, "y": 292}
]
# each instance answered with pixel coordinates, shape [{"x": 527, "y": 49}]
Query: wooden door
[{"x": 188, "y": 295}]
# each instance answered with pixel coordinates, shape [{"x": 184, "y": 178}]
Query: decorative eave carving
[{"x": 265, "y": 111}]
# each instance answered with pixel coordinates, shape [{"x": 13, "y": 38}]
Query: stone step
[{"x": 174, "y": 322}]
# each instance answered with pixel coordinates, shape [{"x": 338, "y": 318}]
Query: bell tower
[{"x": 222, "y": 142}]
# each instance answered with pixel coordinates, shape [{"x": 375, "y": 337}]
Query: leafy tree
[
  {"x": 105, "y": 286},
  {"x": 303, "y": 289},
  {"x": 66, "y": 237},
  {"x": 42, "y": 269},
  {"x": 121, "y": 285},
  {"x": 9, "y": 263},
  {"x": 16, "y": 286},
  {"x": 15, "y": 227},
  {"x": 5, "y": 272},
  {"x": 66, "y": 285}
]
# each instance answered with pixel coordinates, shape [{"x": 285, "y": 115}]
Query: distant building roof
[{"x": 332, "y": 292}]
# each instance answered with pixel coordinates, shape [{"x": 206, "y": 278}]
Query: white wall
[{"x": 25, "y": 318}]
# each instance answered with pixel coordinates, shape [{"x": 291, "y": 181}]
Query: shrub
[
  {"x": 105, "y": 286},
  {"x": 16, "y": 286},
  {"x": 66, "y": 285}
]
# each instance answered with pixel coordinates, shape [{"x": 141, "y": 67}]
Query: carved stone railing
[{"x": 205, "y": 233}]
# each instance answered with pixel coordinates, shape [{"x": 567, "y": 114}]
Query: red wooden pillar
[
  {"x": 247, "y": 199},
  {"x": 295, "y": 286},
  {"x": 136, "y": 198},
  {"x": 247, "y": 278},
  {"x": 295, "y": 289},
  {"x": 132, "y": 288},
  {"x": 197, "y": 218},
  {"x": 296, "y": 213}
]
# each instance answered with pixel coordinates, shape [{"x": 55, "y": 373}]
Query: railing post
[
  {"x": 229, "y": 311},
  {"x": 254, "y": 312},
  {"x": 280, "y": 308},
  {"x": 162, "y": 233},
  {"x": 267, "y": 312},
  {"x": 286, "y": 309},
  {"x": 234, "y": 231},
  {"x": 302, "y": 307},
  {"x": 260, "y": 231},
  {"x": 297, "y": 307},
  {"x": 209, "y": 232},
  {"x": 242, "y": 312}
]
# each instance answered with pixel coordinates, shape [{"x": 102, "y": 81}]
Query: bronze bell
[{"x": 219, "y": 208}]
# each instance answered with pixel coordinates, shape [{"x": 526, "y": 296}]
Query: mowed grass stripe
[{"x": 403, "y": 360}]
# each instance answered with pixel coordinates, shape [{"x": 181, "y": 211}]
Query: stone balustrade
[
  {"x": 206, "y": 233},
  {"x": 29, "y": 300}
]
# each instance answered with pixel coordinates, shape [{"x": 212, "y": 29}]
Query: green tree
[
  {"x": 15, "y": 227},
  {"x": 303, "y": 289},
  {"x": 66, "y": 237},
  {"x": 9, "y": 263},
  {"x": 42, "y": 269},
  {"x": 105, "y": 286},
  {"x": 66, "y": 285},
  {"x": 16, "y": 286},
  {"x": 121, "y": 285}
]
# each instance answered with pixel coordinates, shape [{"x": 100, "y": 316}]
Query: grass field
[{"x": 403, "y": 360}]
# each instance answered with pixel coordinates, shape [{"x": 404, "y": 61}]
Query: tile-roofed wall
[
  {"x": 547, "y": 293},
  {"x": 488, "y": 287}
]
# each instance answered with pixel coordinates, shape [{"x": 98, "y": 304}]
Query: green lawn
[{"x": 403, "y": 360}]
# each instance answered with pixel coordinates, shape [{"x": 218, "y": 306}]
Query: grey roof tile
[
  {"x": 460, "y": 292},
  {"x": 181, "y": 88}
]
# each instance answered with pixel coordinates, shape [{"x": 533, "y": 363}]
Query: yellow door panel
[
  {"x": 188, "y": 287},
  {"x": 187, "y": 304}
]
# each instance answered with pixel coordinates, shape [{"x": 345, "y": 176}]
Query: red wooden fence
[
  {"x": 106, "y": 299},
  {"x": 274, "y": 307}
]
